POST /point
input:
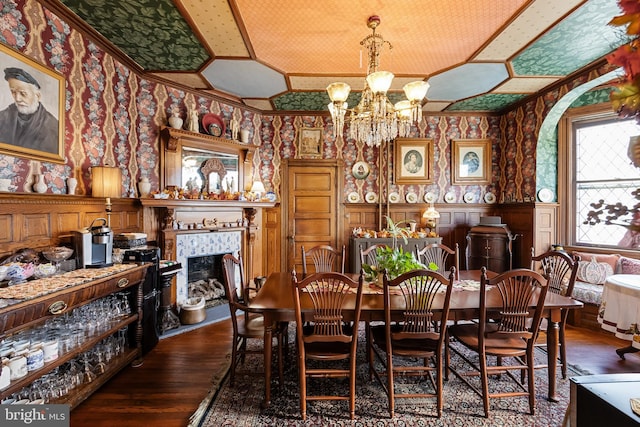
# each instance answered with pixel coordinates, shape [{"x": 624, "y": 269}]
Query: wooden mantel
[
  {"x": 203, "y": 204},
  {"x": 197, "y": 206}
]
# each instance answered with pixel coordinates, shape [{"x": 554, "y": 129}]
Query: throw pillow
[
  {"x": 593, "y": 272},
  {"x": 629, "y": 266},
  {"x": 611, "y": 259}
]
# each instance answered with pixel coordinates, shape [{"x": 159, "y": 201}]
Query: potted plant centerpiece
[{"x": 394, "y": 260}]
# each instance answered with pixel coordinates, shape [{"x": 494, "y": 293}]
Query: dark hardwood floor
[{"x": 176, "y": 376}]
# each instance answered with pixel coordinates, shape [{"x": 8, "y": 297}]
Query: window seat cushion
[{"x": 588, "y": 293}]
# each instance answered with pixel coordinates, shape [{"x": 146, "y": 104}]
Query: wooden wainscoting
[
  {"x": 272, "y": 241},
  {"x": 40, "y": 220},
  {"x": 536, "y": 227}
]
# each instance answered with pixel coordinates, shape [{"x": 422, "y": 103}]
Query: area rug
[{"x": 240, "y": 405}]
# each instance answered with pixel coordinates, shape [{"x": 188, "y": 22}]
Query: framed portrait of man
[
  {"x": 413, "y": 161},
  {"x": 31, "y": 108},
  {"x": 471, "y": 160}
]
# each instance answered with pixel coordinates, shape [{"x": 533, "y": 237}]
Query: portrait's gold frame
[
  {"x": 425, "y": 148},
  {"x": 310, "y": 143},
  {"x": 54, "y": 86},
  {"x": 460, "y": 148}
]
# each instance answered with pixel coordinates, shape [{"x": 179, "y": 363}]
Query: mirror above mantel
[{"x": 205, "y": 161}]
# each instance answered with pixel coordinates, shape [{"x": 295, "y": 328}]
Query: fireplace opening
[{"x": 204, "y": 279}]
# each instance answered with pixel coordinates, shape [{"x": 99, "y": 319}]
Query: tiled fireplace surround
[{"x": 202, "y": 244}]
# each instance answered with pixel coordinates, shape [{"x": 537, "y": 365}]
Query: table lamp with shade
[
  {"x": 106, "y": 181},
  {"x": 257, "y": 188},
  {"x": 431, "y": 215}
]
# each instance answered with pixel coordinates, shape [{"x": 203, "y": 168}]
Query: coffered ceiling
[{"x": 279, "y": 55}]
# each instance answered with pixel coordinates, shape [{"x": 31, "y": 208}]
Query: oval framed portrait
[{"x": 360, "y": 170}]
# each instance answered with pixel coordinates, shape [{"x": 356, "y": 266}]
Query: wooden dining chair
[
  {"x": 325, "y": 258},
  {"x": 561, "y": 271},
  {"x": 418, "y": 334},
  {"x": 247, "y": 323},
  {"x": 506, "y": 332},
  {"x": 329, "y": 335},
  {"x": 368, "y": 255},
  {"x": 439, "y": 255}
]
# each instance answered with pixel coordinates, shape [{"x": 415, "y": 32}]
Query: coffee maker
[{"x": 94, "y": 245}]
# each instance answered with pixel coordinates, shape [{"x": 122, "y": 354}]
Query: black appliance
[{"x": 151, "y": 295}]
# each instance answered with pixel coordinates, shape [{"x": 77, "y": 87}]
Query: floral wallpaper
[{"x": 113, "y": 117}]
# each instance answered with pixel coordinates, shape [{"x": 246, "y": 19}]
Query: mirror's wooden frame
[{"x": 171, "y": 156}]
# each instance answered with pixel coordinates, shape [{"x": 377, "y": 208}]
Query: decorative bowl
[
  {"x": 45, "y": 270},
  {"x": 57, "y": 254},
  {"x": 19, "y": 271}
]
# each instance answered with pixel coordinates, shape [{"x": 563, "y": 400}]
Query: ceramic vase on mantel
[
  {"x": 175, "y": 121},
  {"x": 144, "y": 187},
  {"x": 39, "y": 186},
  {"x": 244, "y": 136},
  {"x": 72, "y": 183}
]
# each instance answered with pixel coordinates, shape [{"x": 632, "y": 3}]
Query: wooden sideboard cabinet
[
  {"x": 356, "y": 243},
  {"x": 490, "y": 247},
  {"x": 21, "y": 315}
]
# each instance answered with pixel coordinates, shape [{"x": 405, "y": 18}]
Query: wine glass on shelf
[{"x": 57, "y": 254}]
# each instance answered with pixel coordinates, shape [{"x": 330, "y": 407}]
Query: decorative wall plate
[
  {"x": 270, "y": 196},
  {"x": 545, "y": 195},
  {"x": 450, "y": 197},
  {"x": 371, "y": 197},
  {"x": 429, "y": 197},
  {"x": 360, "y": 170},
  {"x": 353, "y": 197},
  {"x": 394, "y": 197},
  {"x": 490, "y": 198},
  {"x": 213, "y": 124},
  {"x": 411, "y": 198},
  {"x": 469, "y": 197}
]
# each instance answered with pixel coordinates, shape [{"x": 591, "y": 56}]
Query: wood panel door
[{"x": 312, "y": 212}]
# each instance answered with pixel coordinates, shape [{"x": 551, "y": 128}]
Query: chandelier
[{"x": 375, "y": 119}]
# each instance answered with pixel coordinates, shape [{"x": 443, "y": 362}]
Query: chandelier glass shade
[{"x": 375, "y": 119}]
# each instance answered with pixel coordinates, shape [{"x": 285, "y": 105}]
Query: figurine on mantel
[
  {"x": 233, "y": 124},
  {"x": 193, "y": 124}
]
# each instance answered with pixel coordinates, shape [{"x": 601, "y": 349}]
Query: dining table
[{"x": 275, "y": 301}]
